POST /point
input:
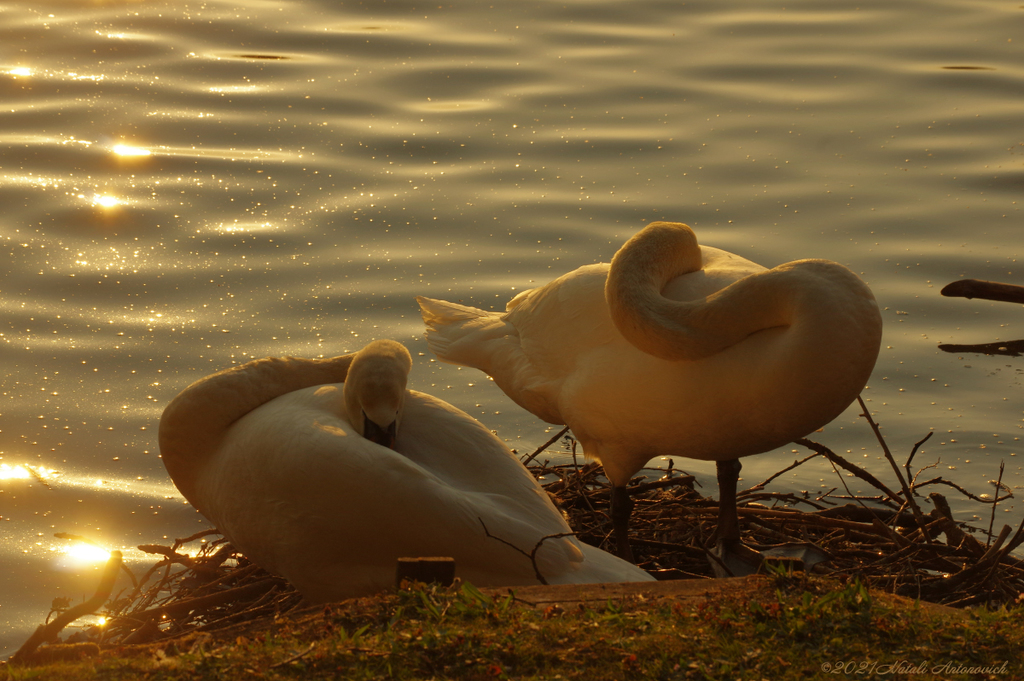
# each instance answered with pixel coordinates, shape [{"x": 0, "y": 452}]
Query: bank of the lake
[{"x": 744, "y": 628}]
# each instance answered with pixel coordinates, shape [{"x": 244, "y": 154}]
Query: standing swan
[
  {"x": 675, "y": 349},
  {"x": 273, "y": 453}
]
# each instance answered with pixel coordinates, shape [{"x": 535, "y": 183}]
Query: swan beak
[{"x": 382, "y": 436}]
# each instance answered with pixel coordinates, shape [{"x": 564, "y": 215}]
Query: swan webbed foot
[
  {"x": 736, "y": 559},
  {"x": 733, "y": 558},
  {"x": 621, "y": 509}
]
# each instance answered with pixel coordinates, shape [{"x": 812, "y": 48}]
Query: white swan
[
  {"x": 675, "y": 349},
  {"x": 271, "y": 453}
]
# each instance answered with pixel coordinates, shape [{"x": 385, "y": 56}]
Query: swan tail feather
[
  {"x": 444, "y": 312},
  {"x": 487, "y": 341},
  {"x": 458, "y": 334}
]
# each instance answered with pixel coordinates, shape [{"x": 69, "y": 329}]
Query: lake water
[{"x": 188, "y": 185}]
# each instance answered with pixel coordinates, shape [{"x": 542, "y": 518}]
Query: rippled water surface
[{"x": 187, "y": 185}]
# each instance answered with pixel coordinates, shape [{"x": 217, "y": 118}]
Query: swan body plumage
[
  {"x": 674, "y": 349},
  {"x": 282, "y": 469}
]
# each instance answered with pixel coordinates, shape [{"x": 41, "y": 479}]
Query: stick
[
  {"x": 239, "y": 592},
  {"x": 888, "y": 455},
  {"x": 294, "y": 657},
  {"x": 763, "y": 484},
  {"x": 995, "y": 501},
  {"x": 662, "y": 483},
  {"x": 547, "y": 444},
  {"x": 532, "y": 555},
  {"x": 48, "y": 632},
  {"x": 914, "y": 451},
  {"x": 856, "y": 470}
]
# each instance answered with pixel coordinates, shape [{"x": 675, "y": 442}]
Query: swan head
[{"x": 375, "y": 390}]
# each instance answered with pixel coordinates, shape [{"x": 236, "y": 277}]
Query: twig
[
  {"x": 294, "y": 657},
  {"x": 995, "y": 500},
  {"x": 762, "y": 485},
  {"x": 662, "y": 484},
  {"x": 184, "y": 606},
  {"x": 192, "y": 538},
  {"x": 48, "y": 632},
  {"x": 532, "y": 555},
  {"x": 856, "y": 470},
  {"x": 914, "y": 451},
  {"x": 888, "y": 455},
  {"x": 547, "y": 444},
  {"x": 943, "y": 481}
]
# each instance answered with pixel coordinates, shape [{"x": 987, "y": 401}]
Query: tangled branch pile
[{"x": 890, "y": 545}]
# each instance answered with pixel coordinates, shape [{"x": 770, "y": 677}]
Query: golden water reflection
[
  {"x": 81, "y": 553},
  {"x": 128, "y": 150},
  {"x": 106, "y": 201},
  {"x": 26, "y": 472}
]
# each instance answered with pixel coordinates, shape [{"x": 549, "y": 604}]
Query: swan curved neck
[
  {"x": 819, "y": 291},
  {"x": 193, "y": 423},
  {"x": 375, "y": 387}
]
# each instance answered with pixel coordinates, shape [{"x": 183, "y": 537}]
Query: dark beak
[{"x": 382, "y": 436}]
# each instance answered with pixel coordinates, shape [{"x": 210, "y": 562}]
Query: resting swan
[
  {"x": 272, "y": 452},
  {"x": 675, "y": 349}
]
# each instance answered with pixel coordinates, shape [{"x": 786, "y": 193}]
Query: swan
[
  {"x": 675, "y": 349},
  {"x": 287, "y": 457}
]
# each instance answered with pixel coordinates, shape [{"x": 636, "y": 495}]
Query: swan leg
[
  {"x": 728, "y": 521},
  {"x": 622, "y": 508},
  {"x": 733, "y": 554}
]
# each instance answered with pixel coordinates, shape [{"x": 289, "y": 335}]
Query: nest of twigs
[
  {"x": 891, "y": 547},
  {"x": 887, "y": 540}
]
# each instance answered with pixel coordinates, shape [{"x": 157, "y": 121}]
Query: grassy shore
[{"x": 779, "y": 627}]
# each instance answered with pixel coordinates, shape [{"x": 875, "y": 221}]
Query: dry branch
[{"x": 48, "y": 632}]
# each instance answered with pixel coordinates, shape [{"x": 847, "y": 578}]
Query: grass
[{"x": 780, "y": 628}]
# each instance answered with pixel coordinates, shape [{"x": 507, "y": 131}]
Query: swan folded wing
[
  {"x": 394, "y": 508},
  {"x": 462, "y": 452},
  {"x": 299, "y": 493},
  {"x": 467, "y": 457}
]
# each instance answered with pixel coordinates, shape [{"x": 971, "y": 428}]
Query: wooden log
[
  {"x": 430, "y": 570},
  {"x": 987, "y": 290}
]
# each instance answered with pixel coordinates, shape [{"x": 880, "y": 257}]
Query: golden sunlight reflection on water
[
  {"x": 26, "y": 472},
  {"x": 80, "y": 553},
  {"x": 128, "y": 150},
  {"x": 106, "y": 201},
  {"x": 186, "y": 187}
]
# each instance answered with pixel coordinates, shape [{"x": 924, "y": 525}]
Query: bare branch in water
[{"x": 48, "y": 632}]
